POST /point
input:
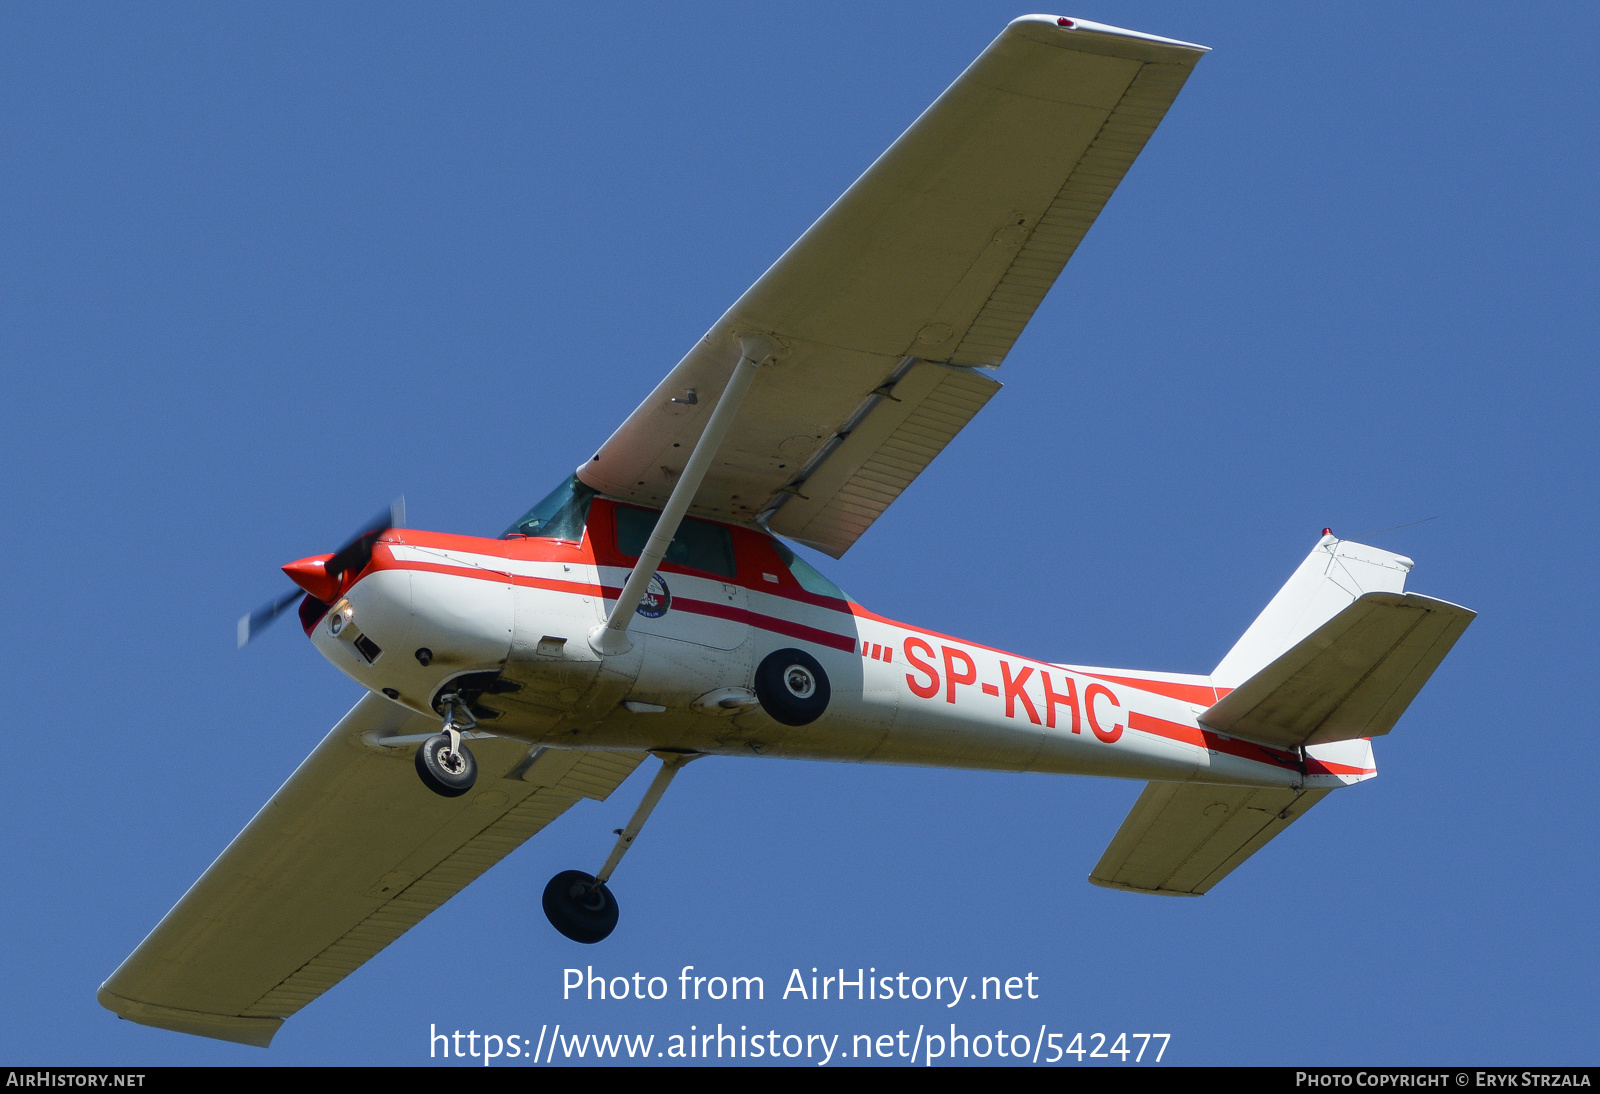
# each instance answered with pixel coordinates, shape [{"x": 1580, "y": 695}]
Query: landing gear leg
[
  {"x": 580, "y": 905},
  {"x": 444, "y": 764}
]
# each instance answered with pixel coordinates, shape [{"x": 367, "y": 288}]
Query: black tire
[
  {"x": 580, "y": 907},
  {"x": 792, "y": 687},
  {"x": 445, "y": 773}
]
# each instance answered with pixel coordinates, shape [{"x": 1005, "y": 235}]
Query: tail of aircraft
[
  {"x": 1332, "y": 577},
  {"x": 1333, "y": 660}
]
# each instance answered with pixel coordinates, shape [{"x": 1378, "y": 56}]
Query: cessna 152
[{"x": 647, "y": 607}]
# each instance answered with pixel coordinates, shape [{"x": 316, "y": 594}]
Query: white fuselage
[{"x": 899, "y": 694}]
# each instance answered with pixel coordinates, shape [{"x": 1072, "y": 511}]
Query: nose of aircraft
[
  {"x": 311, "y": 574},
  {"x": 324, "y": 576}
]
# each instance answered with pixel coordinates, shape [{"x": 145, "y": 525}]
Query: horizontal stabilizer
[
  {"x": 1180, "y": 839},
  {"x": 1350, "y": 678}
]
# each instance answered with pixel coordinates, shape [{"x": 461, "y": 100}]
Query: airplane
[{"x": 647, "y": 607}]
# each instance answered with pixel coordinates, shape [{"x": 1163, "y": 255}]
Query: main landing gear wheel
[
  {"x": 580, "y": 907},
  {"x": 447, "y": 772},
  {"x": 792, "y": 687}
]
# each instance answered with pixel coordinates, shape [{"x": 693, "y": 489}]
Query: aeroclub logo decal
[{"x": 657, "y": 599}]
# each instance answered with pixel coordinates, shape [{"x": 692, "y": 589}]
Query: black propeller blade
[
  {"x": 353, "y": 556},
  {"x": 258, "y": 620},
  {"x": 357, "y": 552}
]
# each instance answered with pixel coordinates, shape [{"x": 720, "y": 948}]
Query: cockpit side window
[
  {"x": 810, "y": 580},
  {"x": 561, "y": 515},
  {"x": 698, "y": 544}
]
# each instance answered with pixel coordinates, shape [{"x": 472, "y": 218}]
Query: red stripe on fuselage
[
  {"x": 526, "y": 550},
  {"x": 560, "y": 551},
  {"x": 1199, "y": 694},
  {"x": 1328, "y": 767},
  {"x": 1192, "y": 693},
  {"x": 384, "y": 560},
  {"x": 772, "y": 623},
  {"x": 575, "y": 588},
  {"x": 866, "y": 613},
  {"x": 785, "y": 627},
  {"x": 1204, "y": 738}
]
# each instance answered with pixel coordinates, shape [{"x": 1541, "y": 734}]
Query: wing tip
[
  {"x": 1107, "y": 883},
  {"x": 223, "y": 1027},
  {"x": 1058, "y": 30}
]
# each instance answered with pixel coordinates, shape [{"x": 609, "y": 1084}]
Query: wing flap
[
  {"x": 834, "y": 503},
  {"x": 350, "y": 853},
  {"x": 1350, "y": 678},
  {"x": 1180, "y": 839}
]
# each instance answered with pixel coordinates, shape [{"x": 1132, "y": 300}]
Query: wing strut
[
  {"x": 611, "y": 637},
  {"x": 671, "y": 764}
]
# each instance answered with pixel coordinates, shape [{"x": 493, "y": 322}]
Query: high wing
[
  {"x": 890, "y": 310},
  {"x": 346, "y": 857}
]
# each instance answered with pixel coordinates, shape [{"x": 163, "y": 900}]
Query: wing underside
[
  {"x": 347, "y": 856},
  {"x": 919, "y": 278}
]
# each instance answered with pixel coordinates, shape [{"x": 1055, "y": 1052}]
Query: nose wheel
[
  {"x": 444, "y": 764},
  {"x": 447, "y": 771}
]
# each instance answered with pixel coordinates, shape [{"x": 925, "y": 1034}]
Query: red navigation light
[
  {"x": 1327, "y": 531},
  {"x": 1068, "y": 23}
]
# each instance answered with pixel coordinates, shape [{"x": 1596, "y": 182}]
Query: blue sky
[{"x": 267, "y": 267}]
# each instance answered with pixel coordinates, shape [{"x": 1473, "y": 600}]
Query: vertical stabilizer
[{"x": 1328, "y": 581}]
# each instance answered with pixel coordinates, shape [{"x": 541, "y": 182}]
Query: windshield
[
  {"x": 810, "y": 580},
  {"x": 560, "y": 515}
]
